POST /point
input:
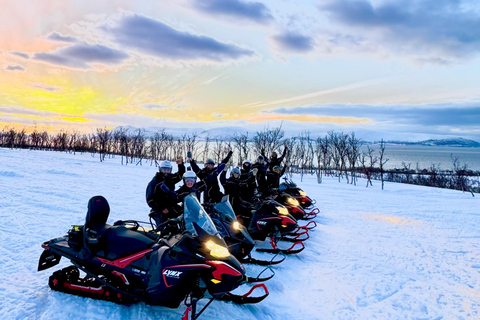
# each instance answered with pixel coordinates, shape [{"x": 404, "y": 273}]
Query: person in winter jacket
[
  {"x": 273, "y": 177},
  {"x": 259, "y": 170},
  {"x": 233, "y": 188},
  {"x": 212, "y": 192},
  {"x": 190, "y": 185},
  {"x": 156, "y": 199},
  {"x": 274, "y": 159},
  {"x": 249, "y": 185}
]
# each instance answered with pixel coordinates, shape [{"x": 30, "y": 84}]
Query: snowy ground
[{"x": 407, "y": 252}]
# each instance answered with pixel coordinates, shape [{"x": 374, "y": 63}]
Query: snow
[{"x": 407, "y": 252}]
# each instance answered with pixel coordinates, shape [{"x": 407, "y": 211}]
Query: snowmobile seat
[
  {"x": 96, "y": 223},
  {"x": 121, "y": 241}
]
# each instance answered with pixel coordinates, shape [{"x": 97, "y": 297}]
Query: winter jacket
[
  {"x": 169, "y": 180},
  {"x": 210, "y": 176}
]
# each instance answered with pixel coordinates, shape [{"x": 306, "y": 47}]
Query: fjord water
[{"x": 425, "y": 156}]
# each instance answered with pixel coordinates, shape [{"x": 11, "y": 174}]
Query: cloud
[
  {"x": 152, "y": 106},
  {"x": 448, "y": 114},
  {"x": 428, "y": 29},
  {"x": 20, "y": 54},
  {"x": 155, "y": 38},
  {"x": 252, "y": 11},
  {"x": 57, "y": 37},
  {"x": 14, "y": 68},
  {"x": 294, "y": 42},
  {"x": 82, "y": 55},
  {"x": 45, "y": 88},
  {"x": 12, "y": 110}
]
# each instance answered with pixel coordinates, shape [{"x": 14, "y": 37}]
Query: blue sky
[{"x": 384, "y": 69}]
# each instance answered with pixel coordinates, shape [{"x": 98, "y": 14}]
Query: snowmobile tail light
[
  {"x": 236, "y": 225},
  {"x": 293, "y": 201},
  {"x": 216, "y": 250},
  {"x": 282, "y": 211},
  {"x": 302, "y": 193}
]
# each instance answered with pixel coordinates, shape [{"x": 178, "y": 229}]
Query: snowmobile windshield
[
  {"x": 225, "y": 208},
  {"x": 193, "y": 212}
]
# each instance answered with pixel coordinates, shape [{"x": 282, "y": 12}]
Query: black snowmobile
[
  {"x": 293, "y": 205},
  {"x": 268, "y": 218},
  {"x": 237, "y": 237},
  {"x": 291, "y": 188},
  {"x": 124, "y": 263}
]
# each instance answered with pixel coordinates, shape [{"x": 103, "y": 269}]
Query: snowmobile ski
[
  {"x": 270, "y": 262},
  {"x": 290, "y": 250},
  {"x": 245, "y": 299},
  {"x": 258, "y": 279}
]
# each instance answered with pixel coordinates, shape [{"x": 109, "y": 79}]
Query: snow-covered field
[{"x": 407, "y": 252}]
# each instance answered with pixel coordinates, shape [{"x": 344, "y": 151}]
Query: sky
[
  {"x": 371, "y": 256},
  {"x": 384, "y": 69}
]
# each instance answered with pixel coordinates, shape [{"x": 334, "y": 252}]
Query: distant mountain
[
  {"x": 450, "y": 142},
  {"x": 220, "y": 133}
]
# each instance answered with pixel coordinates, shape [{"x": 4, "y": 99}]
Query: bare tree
[
  {"x": 353, "y": 154},
  {"x": 268, "y": 140},
  {"x": 368, "y": 167},
  {"x": 241, "y": 144},
  {"x": 382, "y": 161}
]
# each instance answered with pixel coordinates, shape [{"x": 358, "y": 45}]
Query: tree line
[{"x": 338, "y": 154}]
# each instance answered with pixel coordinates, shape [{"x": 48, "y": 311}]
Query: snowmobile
[
  {"x": 267, "y": 218},
  {"x": 293, "y": 205},
  {"x": 237, "y": 237},
  {"x": 125, "y": 263},
  {"x": 292, "y": 189}
]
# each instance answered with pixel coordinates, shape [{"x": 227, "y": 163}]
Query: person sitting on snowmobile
[
  {"x": 233, "y": 187},
  {"x": 247, "y": 192},
  {"x": 190, "y": 185},
  {"x": 213, "y": 193},
  {"x": 156, "y": 199},
  {"x": 259, "y": 170},
  {"x": 274, "y": 159},
  {"x": 273, "y": 177}
]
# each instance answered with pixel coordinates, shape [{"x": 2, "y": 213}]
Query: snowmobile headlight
[
  {"x": 302, "y": 193},
  {"x": 292, "y": 201},
  {"x": 282, "y": 211},
  {"x": 216, "y": 250},
  {"x": 236, "y": 225}
]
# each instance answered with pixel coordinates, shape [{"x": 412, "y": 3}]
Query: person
[
  {"x": 273, "y": 177},
  {"x": 247, "y": 191},
  {"x": 189, "y": 186},
  {"x": 157, "y": 199},
  {"x": 232, "y": 185},
  {"x": 274, "y": 159},
  {"x": 233, "y": 188},
  {"x": 259, "y": 170},
  {"x": 212, "y": 192}
]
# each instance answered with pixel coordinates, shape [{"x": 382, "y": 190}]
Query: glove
[
  {"x": 164, "y": 188},
  {"x": 189, "y": 155},
  {"x": 254, "y": 171},
  {"x": 230, "y": 153},
  {"x": 220, "y": 167}
]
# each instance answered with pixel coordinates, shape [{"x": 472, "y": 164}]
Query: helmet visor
[{"x": 165, "y": 170}]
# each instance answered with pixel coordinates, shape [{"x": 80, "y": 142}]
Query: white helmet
[
  {"x": 165, "y": 167},
  {"x": 189, "y": 175}
]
